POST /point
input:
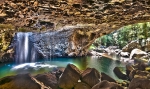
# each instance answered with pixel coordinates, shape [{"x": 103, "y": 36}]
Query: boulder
[
  {"x": 141, "y": 74},
  {"x": 132, "y": 73},
  {"x": 124, "y": 54},
  {"x": 21, "y": 81},
  {"x": 119, "y": 73},
  {"x": 58, "y": 71},
  {"x": 126, "y": 60},
  {"x": 140, "y": 66},
  {"x": 139, "y": 83},
  {"x": 129, "y": 68},
  {"x": 91, "y": 76},
  {"x": 107, "y": 85},
  {"x": 48, "y": 80},
  {"x": 138, "y": 73},
  {"x": 106, "y": 77},
  {"x": 129, "y": 47},
  {"x": 137, "y": 53},
  {"x": 70, "y": 77},
  {"x": 82, "y": 85},
  {"x": 6, "y": 57}
]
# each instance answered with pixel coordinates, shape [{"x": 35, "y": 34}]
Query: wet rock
[
  {"x": 124, "y": 54},
  {"x": 72, "y": 54},
  {"x": 107, "y": 85},
  {"x": 137, "y": 53},
  {"x": 129, "y": 68},
  {"x": 124, "y": 83},
  {"x": 6, "y": 57},
  {"x": 58, "y": 72},
  {"x": 119, "y": 73},
  {"x": 106, "y": 77},
  {"x": 6, "y": 80},
  {"x": 140, "y": 66},
  {"x": 129, "y": 47},
  {"x": 132, "y": 73},
  {"x": 70, "y": 77},
  {"x": 22, "y": 81},
  {"x": 91, "y": 76},
  {"x": 82, "y": 85},
  {"x": 138, "y": 73},
  {"x": 141, "y": 83},
  {"x": 48, "y": 80}
]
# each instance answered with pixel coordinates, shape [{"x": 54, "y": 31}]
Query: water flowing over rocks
[
  {"x": 53, "y": 43},
  {"x": 88, "y": 19},
  {"x": 29, "y": 46},
  {"x": 24, "y": 48}
]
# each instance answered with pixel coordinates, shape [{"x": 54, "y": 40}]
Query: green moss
[
  {"x": 22, "y": 30},
  {"x": 6, "y": 26},
  {"x": 6, "y": 35}
]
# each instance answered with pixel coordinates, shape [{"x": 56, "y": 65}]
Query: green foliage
[{"x": 126, "y": 34}]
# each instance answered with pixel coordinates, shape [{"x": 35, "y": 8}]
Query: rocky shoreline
[
  {"x": 98, "y": 18},
  {"x": 72, "y": 78}
]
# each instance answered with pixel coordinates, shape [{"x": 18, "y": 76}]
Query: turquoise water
[{"x": 102, "y": 64}]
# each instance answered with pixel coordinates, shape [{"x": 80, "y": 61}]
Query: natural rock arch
[{"x": 93, "y": 18}]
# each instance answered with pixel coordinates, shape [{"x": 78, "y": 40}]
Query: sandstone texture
[{"x": 90, "y": 18}]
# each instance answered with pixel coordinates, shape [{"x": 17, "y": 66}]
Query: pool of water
[{"x": 102, "y": 64}]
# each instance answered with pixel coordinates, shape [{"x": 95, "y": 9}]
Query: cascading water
[
  {"x": 24, "y": 49},
  {"x": 45, "y": 45}
]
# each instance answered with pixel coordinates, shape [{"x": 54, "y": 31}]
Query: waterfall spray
[{"x": 24, "y": 48}]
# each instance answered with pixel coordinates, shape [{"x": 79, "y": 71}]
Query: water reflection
[{"x": 102, "y": 64}]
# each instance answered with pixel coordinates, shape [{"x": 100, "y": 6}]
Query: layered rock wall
[{"x": 99, "y": 17}]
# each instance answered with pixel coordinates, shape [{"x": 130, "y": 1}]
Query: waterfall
[{"x": 24, "y": 48}]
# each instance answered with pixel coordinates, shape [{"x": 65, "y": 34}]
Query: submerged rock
[
  {"x": 70, "y": 77},
  {"x": 119, "y": 73}
]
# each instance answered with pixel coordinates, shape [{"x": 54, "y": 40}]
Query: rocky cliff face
[
  {"x": 111, "y": 14},
  {"x": 98, "y": 17}
]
